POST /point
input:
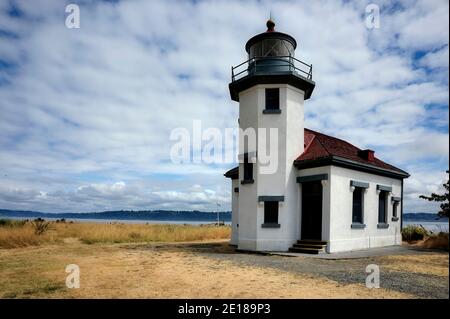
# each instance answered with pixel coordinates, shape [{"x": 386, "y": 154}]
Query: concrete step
[
  {"x": 312, "y": 242},
  {"x": 302, "y": 245},
  {"x": 305, "y": 250}
]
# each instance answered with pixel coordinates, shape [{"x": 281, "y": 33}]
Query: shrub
[
  {"x": 414, "y": 233},
  {"x": 12, "y": 223},
  {"x": 40, "y": 226}
]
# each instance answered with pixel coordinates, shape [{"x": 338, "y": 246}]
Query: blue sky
[{"x": 86, "y": 114}]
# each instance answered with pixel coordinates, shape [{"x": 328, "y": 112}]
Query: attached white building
[{"x": 326, "y": 194}]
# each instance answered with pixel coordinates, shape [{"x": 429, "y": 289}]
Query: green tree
[{"x": 441, "y": 199}]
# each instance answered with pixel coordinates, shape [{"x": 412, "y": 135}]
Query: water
[
  {"x": 435, "y": 227},
  {"x": 126, "y": 221}
]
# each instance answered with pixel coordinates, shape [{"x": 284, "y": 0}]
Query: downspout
[{"x": 401, "y": 210}]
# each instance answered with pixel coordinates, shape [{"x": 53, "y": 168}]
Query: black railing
[{"x": 273, "y": 64}]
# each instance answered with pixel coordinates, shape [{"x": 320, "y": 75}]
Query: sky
[{"x": 86, "y": 113}]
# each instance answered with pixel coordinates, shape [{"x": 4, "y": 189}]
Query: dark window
[
  {"x": 248, "y": 169},
  {"x": 271, "y": 212},
  {"x": 382, "y": 207},
  {"x": 394, "y": 209},
  {"x": 358, "y": 205},
  {"x": 273, "y": 99}
]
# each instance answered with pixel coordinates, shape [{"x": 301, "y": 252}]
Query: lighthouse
[
  {"x": 271, "y": 87},
  {"x": 317, "y": 193}
]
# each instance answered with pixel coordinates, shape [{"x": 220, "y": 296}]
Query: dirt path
[{"x": 205, "y": 270}]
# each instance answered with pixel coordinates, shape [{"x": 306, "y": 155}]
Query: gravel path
[{"x": 345, "y": 271}]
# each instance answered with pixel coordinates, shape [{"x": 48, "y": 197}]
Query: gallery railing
[{"x": 271, "y": 65}]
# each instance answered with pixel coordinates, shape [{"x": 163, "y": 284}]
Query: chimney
[{"x": 368, "y": 155}]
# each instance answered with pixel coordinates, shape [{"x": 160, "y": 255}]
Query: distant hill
[
  {"x": 166, "y": 215},
  {"x": 423, "y": 217},
  {"x": 157, "y": 215}
]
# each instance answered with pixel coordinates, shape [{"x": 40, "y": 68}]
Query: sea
[
  {"x": 127, "y": 221},
  {"x": 434, "y": 226}
]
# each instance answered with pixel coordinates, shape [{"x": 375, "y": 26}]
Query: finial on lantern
[{"x": 270, "y": 24}]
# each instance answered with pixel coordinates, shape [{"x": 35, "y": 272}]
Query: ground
[{"x": 211, "y": 269}]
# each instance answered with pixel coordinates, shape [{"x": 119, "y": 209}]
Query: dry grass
[
  {"x": 438, "y": 241},
  {"x": 144, "y": 271},
  {"x": 24, "y": 235},
  {"x": 14, "y": 237},
  {"x": 433, "y": 264},
  {"x": 432, "y": 241},
  {"x": 162, "y": 269}
]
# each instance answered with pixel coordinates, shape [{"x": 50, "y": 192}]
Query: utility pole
[{"x": 218, "y": 216}]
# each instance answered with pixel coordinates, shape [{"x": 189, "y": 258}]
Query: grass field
[
  {"x": 177, "y": 261},
  {"x": 15, "y": 234}
]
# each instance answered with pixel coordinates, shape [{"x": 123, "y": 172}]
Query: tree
[{"x": 441, "y": 199}]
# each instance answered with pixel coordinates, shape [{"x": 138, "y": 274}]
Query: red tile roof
[{"x": 321, "y": 146}]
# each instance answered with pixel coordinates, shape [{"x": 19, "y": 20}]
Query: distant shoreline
[
  {"x": 124, "y": 221},
  {"x": 179, "y": 217},
  {"x": 158, "y": 216},
  {"x": 426, "y": 223}
]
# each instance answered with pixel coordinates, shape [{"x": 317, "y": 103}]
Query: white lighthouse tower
[{"x": 271, "y": 87}]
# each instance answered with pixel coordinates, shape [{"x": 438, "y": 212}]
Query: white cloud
[
  {"x": 86, "y": 113},
  {"x": 436, "y": 59},
  {"x": 423, "y": 181}
]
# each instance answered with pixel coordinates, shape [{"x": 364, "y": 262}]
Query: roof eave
[
  {"x": 344, "y": 162},
  {"x": 232, "y": 173}
]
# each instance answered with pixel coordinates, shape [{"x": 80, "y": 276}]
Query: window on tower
[
  {"x": 272, "y": 101},
  {"x": 248, "y": 171},
  {"x": 271, "y": 214}
]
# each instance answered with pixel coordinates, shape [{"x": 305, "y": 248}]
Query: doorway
[{"x": 311, "y": 211}]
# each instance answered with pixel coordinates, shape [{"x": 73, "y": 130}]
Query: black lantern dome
[
  {"x": 271, "y": 59},
  {"x": 271, "y": 43}
]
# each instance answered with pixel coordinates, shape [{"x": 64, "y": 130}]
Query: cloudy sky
[{"x": 86, "y": 114}]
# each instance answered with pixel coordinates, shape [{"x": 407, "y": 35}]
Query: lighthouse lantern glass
[{"x": 271, "y": 48}]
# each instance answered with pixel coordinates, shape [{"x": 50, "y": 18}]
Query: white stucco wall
[
  {"x": 337, "y": 196},
  {"x": 247, "y": 230},
  {"x": 282, "y": 182},
  {"x": 342, "y": 236}
]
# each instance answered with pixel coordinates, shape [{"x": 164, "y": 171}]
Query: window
[
  {"x": 357, "y": 214},
  {"x": 396, "y": 202},
  {"x": 271, "y": 212},
  {"x": 273, "y": 99},
  {"x": 248, "y": 169},
  {"x": 394, "y": 210},
  {"x": 382, "y": 207},
  {"x": 271, "y": 47},
  {"x": 271, "y": 209}
]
